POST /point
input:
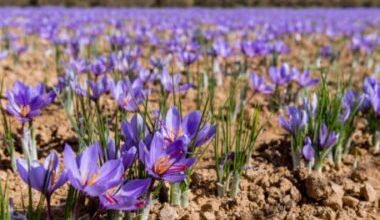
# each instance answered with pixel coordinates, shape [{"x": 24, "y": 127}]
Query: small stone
[
  {"x": 368, "y": 192},
  {"x": 168, "y": 212},
  {"x": 208, "y": 216},
  {"x": 350, "y": 201},
  {"x": 317, "y": 187}
]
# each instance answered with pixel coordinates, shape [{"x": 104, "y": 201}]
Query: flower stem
[{"x": 235, "y": 186}]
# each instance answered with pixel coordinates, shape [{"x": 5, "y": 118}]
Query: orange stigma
[
  {"x": 25, "y": 110},
  {"x": 162, "y": 165}
]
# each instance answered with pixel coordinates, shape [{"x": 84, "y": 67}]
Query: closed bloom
[
  {"x": 25, "y": 102},
  {"x": 297, "y": 119},
  {"x": 134, "y": 130},
  {"x": 128, "y": 197},
  {"x": 42, "y": 177},
  {"x": 85, "y": 174},
  {"x": 327, "y": 139},
  {"x": 164, "y": 162},
  {"x": 308, "y": 150},
  {"x": 259, "y": 85}
]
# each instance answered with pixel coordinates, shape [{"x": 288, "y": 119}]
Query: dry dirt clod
[
  {"x": 168, "y": 213},
  {"x": 285, "y": 185},
  {"x": 208, "y": 216},
  {"x": 335, "y": 198},
  {"x": 317, "y": 186},
  {"x": 368, "y": 192},
  {"x": 350, "y": 201}
]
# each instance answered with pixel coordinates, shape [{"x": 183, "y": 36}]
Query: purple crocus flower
[
  {"x": 133, "y": 130},
  {"x": 308, "y": 150},
  {"x": 174, "y": 130},
  {"x": 259, "y": 85},
  {"x": 25, "y": 102},
  {"x": 128, "y": 95},
  {"x": 126, "y": 198},
  {"x": 326, "y": 51},
  {"x": 42, "y": 177},
  {"x": 222, "y": 48},
  {"x": 304, "y": 79},
  {"x": 173, "y": 83},
  {"x": 297, "y": 119},
  {"x": 100, "y": 66},
  {"x": 3, "y": 54},
  {"x": 327, "y": 139},
  {"x": 188, "y": 57},
  {"x": 164, "y": 162},
  {"x": 280, "y": 76},
  {"x": 85, "y": 173},
  {"x": 95, "y": 90},
  {"x": 160, "y": 63}
]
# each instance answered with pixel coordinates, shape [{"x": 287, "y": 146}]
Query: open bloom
[
  {"x": 259, "y": 85},
  {"x": 164, "y": 162},
  {"x": 128, "y": 95},
  {"x": 42, "y": 177},
  {"x": 173, "y": 129},
  {"x": 85, "y": 173},
  {"x": 297, "y": 119},
  {"x": 304, "y": 79},
  {"x": 188, "y": 57},
  {"x": 280, "y": 76},
  {"x": 25, "y": 102},
  {"x": 128, "y": 197}
]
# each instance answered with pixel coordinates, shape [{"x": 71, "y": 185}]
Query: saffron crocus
[
  {"x": 163, "y": 162},
  {"x": 259, "y": 85},
  {"x": 173, "y": 83},
  {"x": 304, "y": 79},
  {"x": 134, "y": 130},
  {"x": 128, "y": 95},
  {"x": 86, "y": 175},
  {"x": 327, "y": 139},
  {"x": 95, "y": 90},
  {"x": 308, "y": 150},
  {"x": 128, "y": 197},
  {"x": 42, "y": 177},
  {"x": 280, "y": 76},
  {"x": 173, "y": 129},
  {"x": 222, "y": 48},
  {"x": 100, "y": 66},
  {"x": 25, "y": 103},
  {"x": 297, "y": 119},
  {"x": 188, "y": 57}
]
